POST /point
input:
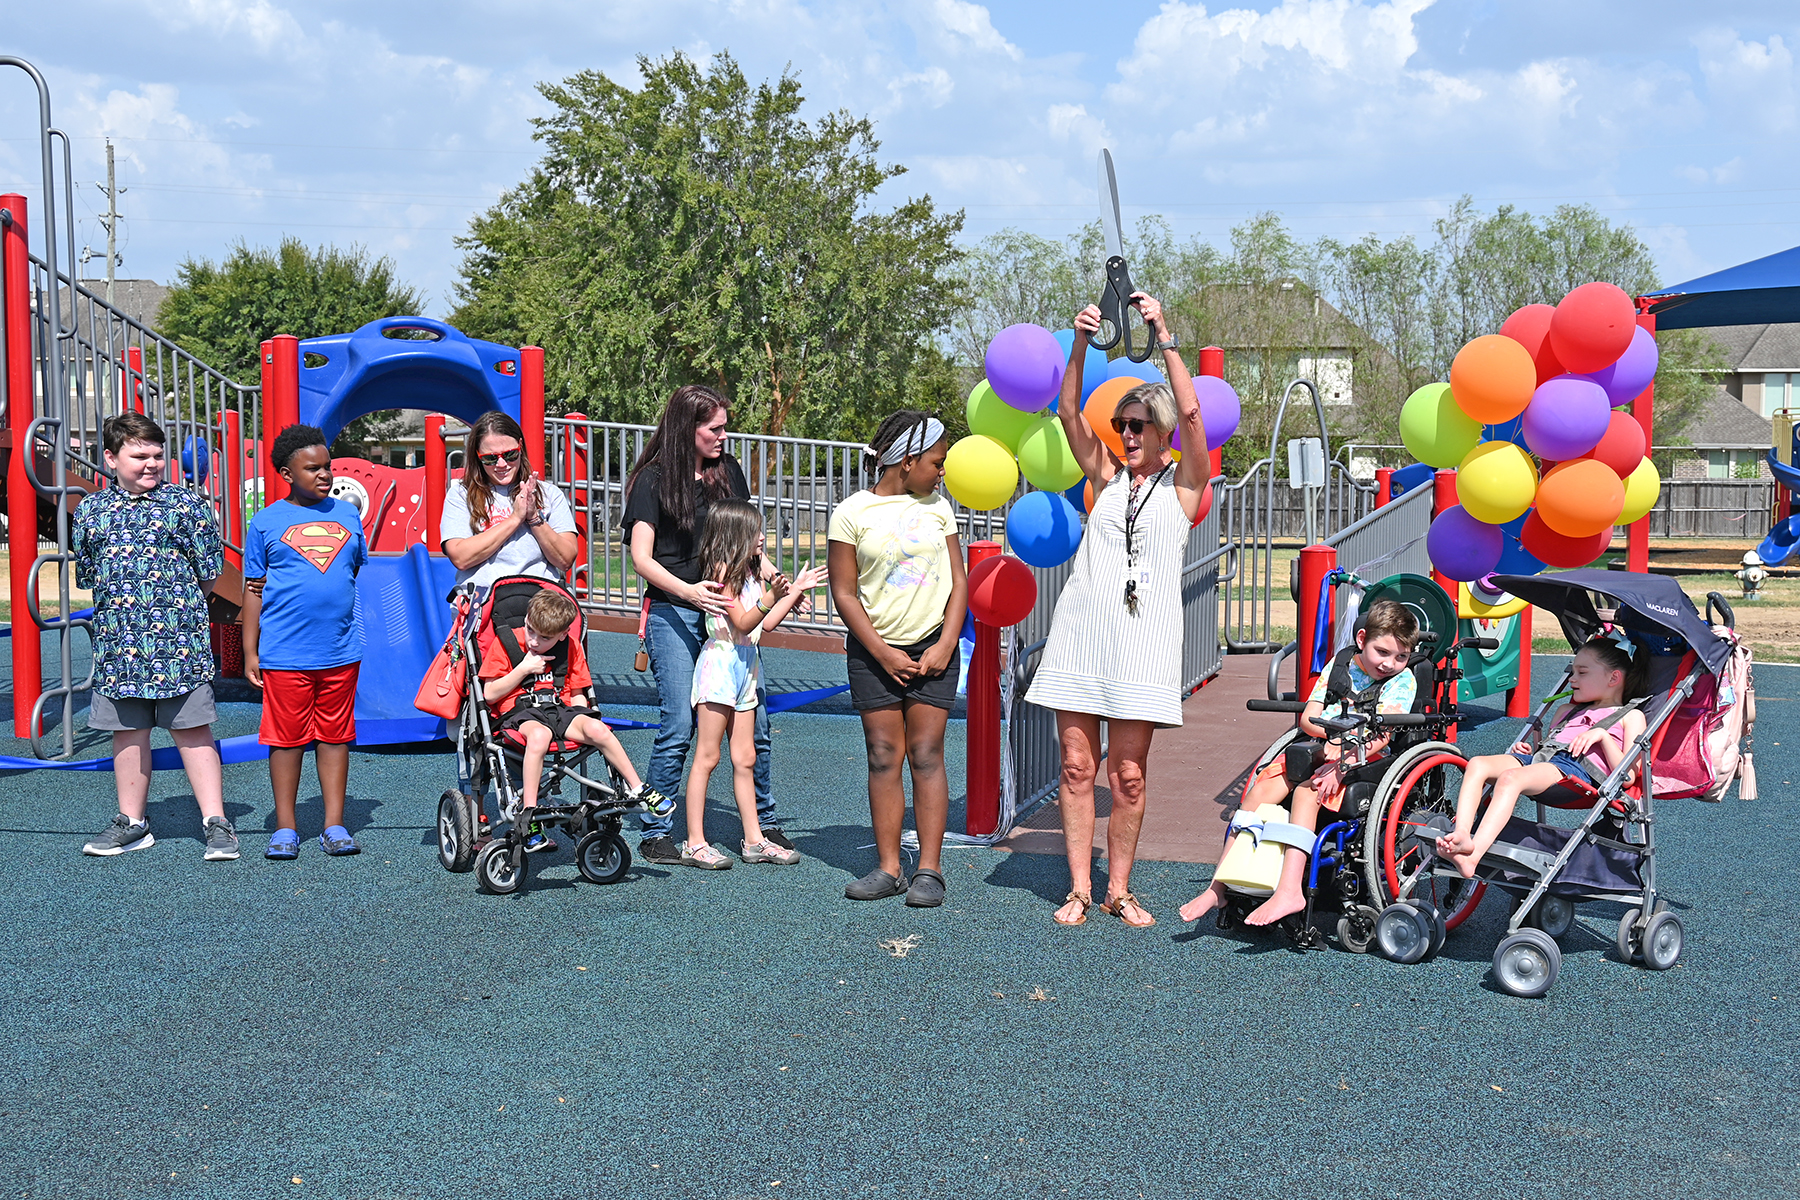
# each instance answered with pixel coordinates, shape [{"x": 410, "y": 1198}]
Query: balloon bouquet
[
  {"x": 1548, "y": 384},
  {"x": 1014, "y": 430}
]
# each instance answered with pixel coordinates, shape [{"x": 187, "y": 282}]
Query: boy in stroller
[
  {"x": 535, "y": 677},
  {"x": 1378, "y": 680}
]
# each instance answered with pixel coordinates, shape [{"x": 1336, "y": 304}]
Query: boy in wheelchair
[
  {"x": 537, "y": 685},
  {"x": 1378, "y": 681}
]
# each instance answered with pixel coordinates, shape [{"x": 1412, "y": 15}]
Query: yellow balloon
[
  {"x": 980, "y": 472},
  {"x": 1642, "y": 489},
  {"x": 1495, "y": 482},
  {"x": 1471, "y": 607}
]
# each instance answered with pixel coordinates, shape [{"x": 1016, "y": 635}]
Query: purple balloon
[
  {"x": 1627, "y": 378},
  {"x": 1566, "y": 418},
  {"x": 1220, "y": 409},
  {"x": 1025, "y": 366},
  {"x": 1462, "y": 547}
]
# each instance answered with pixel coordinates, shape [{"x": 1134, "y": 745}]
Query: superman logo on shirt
[{"x": 318, "y": 542}]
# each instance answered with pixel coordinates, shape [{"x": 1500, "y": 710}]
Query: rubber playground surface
[{"x": 373, "y": 1027}]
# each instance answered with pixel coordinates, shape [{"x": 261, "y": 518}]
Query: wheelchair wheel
[
  {"x": 1526, "y": 963},
  {"x": 456, "y": 831},
  {"x": 602, "y": 857},
  {"x": 498, "y": 870},
  {"x": 1661, "y": 944},
  {"x": 1417, "y": 792},
  {"x": 1404, "y": 933},
  {"x": 1356, "y": 928}
]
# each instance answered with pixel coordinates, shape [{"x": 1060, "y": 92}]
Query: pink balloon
[{"x": 1627, "y": 378}]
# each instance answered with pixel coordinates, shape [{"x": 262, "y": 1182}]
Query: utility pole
[{"x": 110, "y": 219}]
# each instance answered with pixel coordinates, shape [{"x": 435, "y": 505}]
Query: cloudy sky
[{"x": 389, "y": 125}]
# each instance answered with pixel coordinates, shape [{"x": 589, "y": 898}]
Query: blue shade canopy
[{"x": 1763, "y": 292}]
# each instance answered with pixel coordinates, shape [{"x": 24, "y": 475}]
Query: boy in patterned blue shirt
[{"x": 150, "y": 551}]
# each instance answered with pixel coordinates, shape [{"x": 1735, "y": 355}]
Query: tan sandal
[
  {"x": 1117, "y": 908},
  {"x": 1086, "y": 901}
]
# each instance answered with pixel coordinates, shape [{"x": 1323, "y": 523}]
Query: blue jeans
[{"x": 675, "y": 636}]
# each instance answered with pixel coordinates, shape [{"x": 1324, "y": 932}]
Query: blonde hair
[{"x": 1157, "y": 398}]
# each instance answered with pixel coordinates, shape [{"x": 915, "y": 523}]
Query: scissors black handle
[{"x": 1116, "y": 307}]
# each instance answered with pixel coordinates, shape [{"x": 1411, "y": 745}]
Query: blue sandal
[
  {"x": 283, "y": 845},
  {"x": 337, "y": 841}
]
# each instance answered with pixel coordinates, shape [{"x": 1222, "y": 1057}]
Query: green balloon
[
  {"x": 993, "y": 417},
  {"x": 1435, "y": 429},
  {"x": 1045, "y": 458}
]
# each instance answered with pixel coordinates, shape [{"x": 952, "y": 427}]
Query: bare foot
[
  {"x": 1276, "y": 907},
  {"x": 1454, "y": 843},
  {"x": 1204, "y": 903},
  {"x": 1465, "y": 862}
]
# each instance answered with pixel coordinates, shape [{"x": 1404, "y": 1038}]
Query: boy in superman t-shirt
[{"x": 301, "y": 643}]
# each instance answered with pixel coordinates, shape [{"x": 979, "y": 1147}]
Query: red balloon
[
  {"x": 1002, "y": 591},
  {"x": 1621, "y": 446},
  {"x": 1592, "y": 327},
  {"x": 1553, "y": 549},
  {"x": 1530, "y": 327},
  {"x": 1206, "y": 501}
]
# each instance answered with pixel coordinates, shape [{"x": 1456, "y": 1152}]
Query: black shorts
[
  {"x": 556, "y": 718},
  {"x": 872, "y": 687}
]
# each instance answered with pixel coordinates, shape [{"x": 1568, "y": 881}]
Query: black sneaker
[
  {"x": 660, "y": 850},
  {"x": 221, "y": 840},
  {"x": 120, "y": 837},
  {"x": 771, "y": 834}
]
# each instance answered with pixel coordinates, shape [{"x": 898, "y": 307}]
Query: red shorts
[{"x": 309, "y": 706}]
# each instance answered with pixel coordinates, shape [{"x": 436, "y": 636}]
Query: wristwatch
[{"x": 1174, "y": 343}]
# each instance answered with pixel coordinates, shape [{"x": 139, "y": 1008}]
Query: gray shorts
[{"x": 190, "y": 710}]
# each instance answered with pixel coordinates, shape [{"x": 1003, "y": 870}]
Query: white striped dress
[{"x": 1099, "y": 658}]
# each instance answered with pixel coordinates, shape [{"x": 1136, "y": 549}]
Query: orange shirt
[{"x": 495, "y": 664}]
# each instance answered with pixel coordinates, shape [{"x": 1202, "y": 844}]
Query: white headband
[{"x": 913, "y": 442}]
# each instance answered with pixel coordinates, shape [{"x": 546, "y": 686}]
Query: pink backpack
[{"x": 1706, "y": 742}]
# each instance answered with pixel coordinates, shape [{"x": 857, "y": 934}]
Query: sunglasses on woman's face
[
  {"x": 1135, "y": 424},
  {"x": 506, "y": 456}
]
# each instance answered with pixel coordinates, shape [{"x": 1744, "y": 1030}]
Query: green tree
[
  {"x": 223, "y": 312},
  {"x": 699, "y": 230}
]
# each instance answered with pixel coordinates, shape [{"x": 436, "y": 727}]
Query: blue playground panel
[
  {"x": 367, "y": 371},
  {"x": 402, "y": 607}
]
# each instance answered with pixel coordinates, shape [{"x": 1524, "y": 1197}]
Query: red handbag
[{"x": 441, "y": 691}]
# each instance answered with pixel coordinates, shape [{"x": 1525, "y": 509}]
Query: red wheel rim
[{"x": 1391, "y": 826}]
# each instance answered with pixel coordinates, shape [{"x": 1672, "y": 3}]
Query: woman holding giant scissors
[{"x": 1110, "y": 653}]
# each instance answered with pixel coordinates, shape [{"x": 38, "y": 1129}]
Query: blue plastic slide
[{"x": 1784, "y": 539}]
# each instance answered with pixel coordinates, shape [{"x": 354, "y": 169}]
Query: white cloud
[
  {"x": 1752, "y": 81},
  {"x": 972, "y": 26},
  {"x": 262, "y": 23}
]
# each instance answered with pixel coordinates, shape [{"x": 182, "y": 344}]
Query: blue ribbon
[
  {"x": 84, "y": 614},
  {"x": 789, "y": 700}
]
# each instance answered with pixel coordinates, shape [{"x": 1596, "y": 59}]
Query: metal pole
[
  {"x": 982, "y": 813},
  {"x": 111, "y": 221}
]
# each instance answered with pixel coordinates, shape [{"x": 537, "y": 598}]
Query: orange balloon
[
  {"x": 1098, "y": 412},
  {"x": 1581, "y": 498},
  {"x": 1087, "y": 490},
  {"x": 1492, "y": 378}
]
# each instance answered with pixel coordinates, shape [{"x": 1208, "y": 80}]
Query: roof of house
[
  {"x": 1758, "y": 347},
  {"x": 1727, "y": 421},
  {"x": 138, "y": 299}
]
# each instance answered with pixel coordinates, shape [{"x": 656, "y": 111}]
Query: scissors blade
[{"x": 1109, "y": 208}]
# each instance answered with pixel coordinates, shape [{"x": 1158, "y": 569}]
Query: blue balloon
[
  {"x": 1077, "y": 496},
  {"x": 1124, "y": 368},
  {"x": 1094, "y": 370},
  {"x": 196, "y": 459},
  {"x": 1514, "y": 558},
  {"x": 1043, "y": 529},
  {"x": 1512, "y": 431}
]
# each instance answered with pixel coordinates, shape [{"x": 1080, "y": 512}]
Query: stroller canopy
[{"x": 1648, "y": 603}]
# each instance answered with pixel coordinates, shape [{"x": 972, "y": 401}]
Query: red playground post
[
  {"x": 1316, "y": 562},
  {"x": 531, "y": 406},
  {"x": 982, "y": 813},
  {"x": 1443, "y": 496},
  {"x": 1637, "y": 537},
  {"x": 1518, "y": 697},
  {"x": 280, "y": 405},
  {"x": 231, "y": 484},
  {"x": 1212, "y": 362},
  {"x": 1384, "y": 486},
  {"x": 436, "y": 481},
  {"x": 21, "y": 500}
]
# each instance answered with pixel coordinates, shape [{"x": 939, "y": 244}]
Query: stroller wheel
[
  {"x": 456, "y": 831},
  {"x": 498, "y": 870},
  {"x": 602, "y": 857},
  {"x": 1404, "y": 933},
  {"x": 1627, "y": 940},
  {"x": 1356, "y": 928},
  {"x": 1526, "y": 963},
  {"x": 1662, "y": 941},
  {"x": 1552, "y": 914},
  {"x": 1439, "y": 931}
]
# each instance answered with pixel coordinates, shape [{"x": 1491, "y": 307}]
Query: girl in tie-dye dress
[{"x": 726, "y": 676}]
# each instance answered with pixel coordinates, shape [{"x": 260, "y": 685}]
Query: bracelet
[
  {"x": 764, "y": 611},
  {"x": 1174, "y": 343}
]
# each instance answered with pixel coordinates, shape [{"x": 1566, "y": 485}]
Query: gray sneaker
[
  {"x": 221, "y": 840},
  {"x": 121, "y": 836}
]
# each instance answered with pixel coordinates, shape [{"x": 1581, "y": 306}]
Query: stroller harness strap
[
  {"x": 1549, "y": 748},
  {"x": 550, "y": 682}
]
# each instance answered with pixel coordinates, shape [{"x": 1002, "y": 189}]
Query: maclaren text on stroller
[
  {"x": 1349, "y": 869},
  {"x": 490, "y": 757},
  {"x": 1698, "y": 674}
]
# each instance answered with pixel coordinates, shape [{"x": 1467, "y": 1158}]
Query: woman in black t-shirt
[{"x": 683, "y": 470}]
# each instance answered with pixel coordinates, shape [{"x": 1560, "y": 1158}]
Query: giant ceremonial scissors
[{"x": 1116, "y": 304}]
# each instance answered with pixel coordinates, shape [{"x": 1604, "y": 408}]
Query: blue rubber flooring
[{"x": 373, "y": 1027}]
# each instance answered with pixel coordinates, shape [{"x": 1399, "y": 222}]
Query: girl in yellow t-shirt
[{"x": 898, "y": 581}]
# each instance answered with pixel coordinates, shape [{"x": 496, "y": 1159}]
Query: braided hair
[{"x": 903, "y": 423}]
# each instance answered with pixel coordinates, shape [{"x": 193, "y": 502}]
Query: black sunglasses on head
[
  {"x": 1135, "y": 424},
  {"x": 507, "y": 456}
]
